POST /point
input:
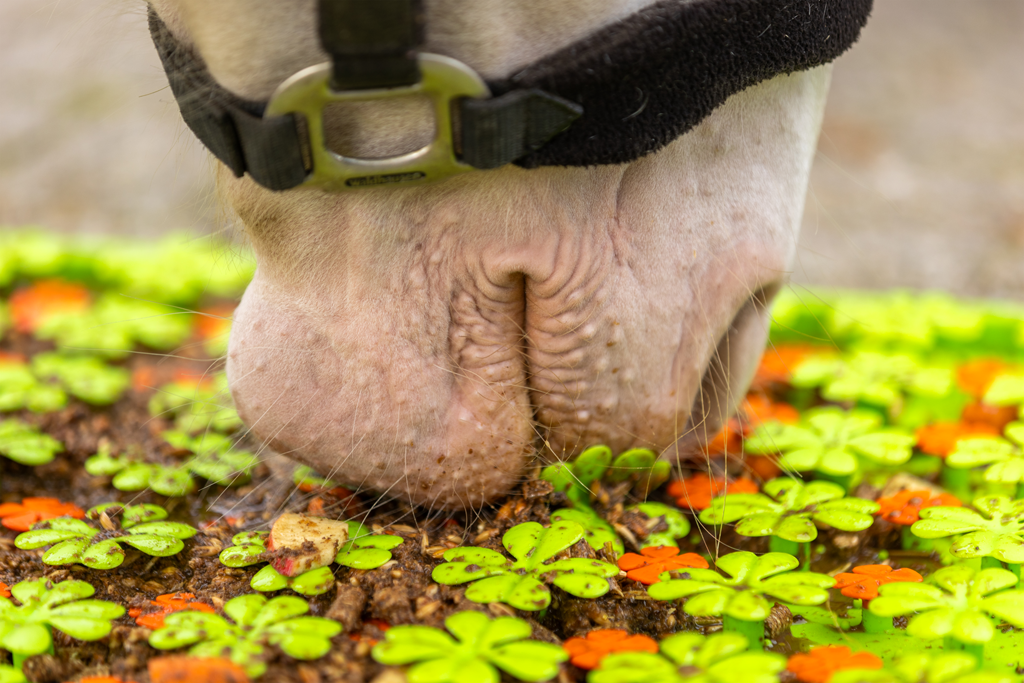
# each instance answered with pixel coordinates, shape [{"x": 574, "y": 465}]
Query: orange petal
[
  {"x": 589, "y": 660},
  {"x": 647, "y": 575},
  {"x": 903, "y": 575},
  {"x": 181, "y": 669},
  {"x": 687, "y": 561},
  {"x": 876, "y": 570},
  {"x": 630, "y": 561},
  {"x": 606, "y": 636},
  {"x": 638, "y": 643},
  {"x": 660, "y": 552},
  {"x": 21, "y": 522},
  {"x": 865, "y": 590}
]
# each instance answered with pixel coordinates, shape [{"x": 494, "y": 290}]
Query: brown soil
[{"x": 400, "y": 592}]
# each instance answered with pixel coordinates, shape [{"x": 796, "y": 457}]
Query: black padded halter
[{"x": 622, "y": 92}]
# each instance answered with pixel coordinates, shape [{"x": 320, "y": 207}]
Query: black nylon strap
[
  {"x": 233, "y": 129},
  {"x": 500, "y": 130},
  {"x": 639, "y": 83},
  {"x": 646, "y": 80},
  {"x": 372, "y": 42}
]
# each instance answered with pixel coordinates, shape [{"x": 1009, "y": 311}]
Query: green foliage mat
[{"x": 1005, "y": 651}]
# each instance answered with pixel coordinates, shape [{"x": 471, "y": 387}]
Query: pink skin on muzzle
[{"x": 430, "y": 342}]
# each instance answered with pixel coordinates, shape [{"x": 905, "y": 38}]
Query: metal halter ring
[{"x": 443, "y": 80}]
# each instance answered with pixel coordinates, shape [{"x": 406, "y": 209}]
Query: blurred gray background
[{"x": 918, "y": 181}]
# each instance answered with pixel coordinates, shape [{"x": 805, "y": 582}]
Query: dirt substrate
[{"x": 364, "y": 602}]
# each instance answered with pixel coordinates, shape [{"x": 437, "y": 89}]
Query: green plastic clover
[
  {"x": 954, "y": 601},
  {"x": 480, "y": 648},
  {"x": 641, "y": 465},
  {"x": 25, "y": 629},
  {"x": 314, "y": 582},
  {"x": 85, "y": 377},
  {"x": 250, "y": 548},
  {"x": 214, "y": 459},
  {"x": 1004, "y": 457},
  {"x": 96, "y": 541},
  {"x": 741, "y": 594},
  {"x": 520, "y": 583},
  {"x": 25, "y": 444},
  {"x": 575, "y": 478},
  {"x": 19, "y": 389},
  {"x": 947, "y": 667},
  {"x": 788, "y": 509},
  {"x": 874, "y": 378},
  {"x": 363, "y": 551},
  {"x": 9, "y": 674},
  {"x": 197, "y": 408},
  {"x": 130, "y": 475},
  {"x": 596, "y": 531},
  {"x": 304, "y": 477},
  {"x": 678, "y": 525},
  {"x": 995, "y": 530},
  {"x": 258, "y": 622},
  {"x": 832, "y": 441},
  {"x": 1006, "y": 390},
  {"x": 903, "y": 318},
  {"x": 692, "y": 658}
]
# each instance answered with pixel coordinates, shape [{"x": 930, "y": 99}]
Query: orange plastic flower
[
  {"x": 214, "y": 322},
  {"x": 7, "y": 358},
  {"x": 697, "y": 491},
  {"x": 903, "y": 508},
  {"x": 758, "y": 408},
  {"x": 143, "y": 379},
  {"x": 778, "y": 362},
  {"x": 182, "y": 669},
  {"x": 975, "y": 377},
  {"x": 997, "y": 416},
  {"x": 5, "y": 591},
  {"x": 167, "y": 604},
  {"x": 940, "y": 438},
  {"x": 764, "y": 467},
  {"x": 651, "y": 562},
  {"x": 587, "y": 652},
  {"x": 864, "y": 581},
  {"x": 21, "y": 516},
  {"x": 728, "y": 440},
  {"x": 818, "y": 665},
  {"x": 31, "y": 306}
]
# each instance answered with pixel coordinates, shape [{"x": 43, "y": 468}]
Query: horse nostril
[{"x": 732, "y": 366}]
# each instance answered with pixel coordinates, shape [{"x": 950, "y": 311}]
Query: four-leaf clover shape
[
  {"x": 24, "y": 629},
  {"x": 692, "y": 658},
  {"x": 480, "y": 647},
  {"x": 788, "y": 508},
  {"x": 363, "y": 551},
  {"x": 945, "y": 667},
  {"x": 995, "y": 530},
  {"x": 832, "y": 441},
  {"x": 255, "y": 623},
  {"x": 520, "y": 582},
  {"x": 1004, "y": 457},
  {"x": 741, "y": 594},
  {"x": 26, "y": 445},
  {"x": 95, "y": 541},
  {"x": 872, "y": 377},
  {"x": 954, "y": 601}
]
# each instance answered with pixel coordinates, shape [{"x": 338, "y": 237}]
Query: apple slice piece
[{"x": 300, "y": 543}]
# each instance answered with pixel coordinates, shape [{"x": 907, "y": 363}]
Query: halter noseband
[{"x": 624, "y": 91}]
